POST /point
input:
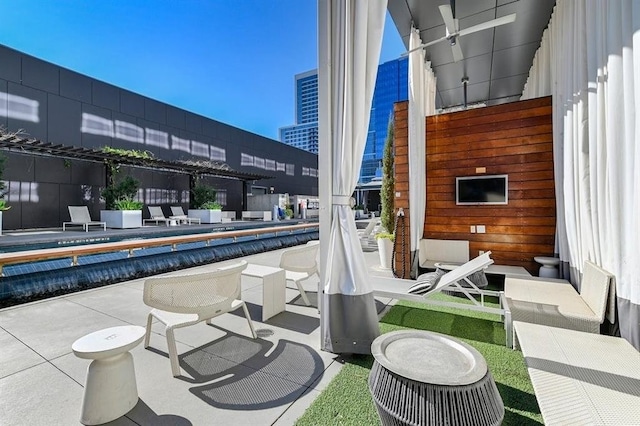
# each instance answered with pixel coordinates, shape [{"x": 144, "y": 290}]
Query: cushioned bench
[
  {"x": 433, "y": 251},
  {"x": 556, "y": 303},
  {"x": 581, "y": 378},
  {"x": 254, "y": 214}
]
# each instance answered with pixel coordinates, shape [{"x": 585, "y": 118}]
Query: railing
[{"x": 131, "y": 245}]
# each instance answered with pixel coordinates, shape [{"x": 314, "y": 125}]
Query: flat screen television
[{"x": 477, "y": 190}]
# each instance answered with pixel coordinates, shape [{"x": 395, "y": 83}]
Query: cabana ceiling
[{"x": 496, "y": 61}]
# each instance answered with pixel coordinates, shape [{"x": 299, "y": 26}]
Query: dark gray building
[{"x": 56, "y": 105}]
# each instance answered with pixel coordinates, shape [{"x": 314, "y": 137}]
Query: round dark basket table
[{"x": 426, "y": 378}]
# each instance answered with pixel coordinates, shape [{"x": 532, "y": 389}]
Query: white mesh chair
[
  {"x": 299, "y": 264},
  {"x": 157, "y": 216},
  {"x": 178, "y": 214},
  {"x": 184, "y": 300},
  {"x": 80, "y": 217}
]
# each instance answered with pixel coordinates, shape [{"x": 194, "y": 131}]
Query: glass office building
[{"x": 391, "y": 86}]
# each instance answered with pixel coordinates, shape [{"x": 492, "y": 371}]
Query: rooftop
[{"x": 227, "y": 376}]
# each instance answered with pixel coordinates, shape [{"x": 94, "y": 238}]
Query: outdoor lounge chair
[
  {"x": 367, "y": 236},
  {"x": 178, "y": 214},
  {"x": 80, "y": 217},
  {"x": 420, "y": 291},
  {"x": 184, "y": 300},
  {"x": 299, "y": 264},
  {"x": 157, "y": 216}
]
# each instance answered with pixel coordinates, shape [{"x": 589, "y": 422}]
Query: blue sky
[{"x": 230, "y": 60}]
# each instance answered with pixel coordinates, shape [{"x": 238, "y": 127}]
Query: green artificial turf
[{"x": 347, "y": 401}]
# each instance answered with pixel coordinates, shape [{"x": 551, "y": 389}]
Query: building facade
[
  {"x": 391, "y": 87},
  {"x": 55, "y": 105},
  {"x": 304, "y": 133}
]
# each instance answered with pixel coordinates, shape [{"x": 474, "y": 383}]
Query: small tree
[
  {"x": 387, "y": 188},
  {"x": 203, "y": 195},
  {"x": 126, "y": 189}
]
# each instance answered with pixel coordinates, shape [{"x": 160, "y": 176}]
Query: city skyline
[{"x": 233, "y": 62}]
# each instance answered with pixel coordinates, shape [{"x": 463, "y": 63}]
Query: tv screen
[{"x": 473, "y": 190}]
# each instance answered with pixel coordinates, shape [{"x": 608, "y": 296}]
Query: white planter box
[
  {"x": 206, "y": 216},
  {"x": 122, "y": 219}
]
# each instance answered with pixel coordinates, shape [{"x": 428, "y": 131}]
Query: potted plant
[
  {"x": 288, "y": 213},
  {"x": 206, "y": 208},
  {"x": 385, "y": 249},
  {"x": 385, "y": 238},
  {"x": 359, "y": 209},
  {"x": 123, "y": 211}
]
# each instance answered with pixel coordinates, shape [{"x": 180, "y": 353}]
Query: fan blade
[
  {"x": 449, "y": 20},
  {"x": 489, "y": 24},
  {"x": 457, "y": 51},
  {"x": 422, "y": 46}
]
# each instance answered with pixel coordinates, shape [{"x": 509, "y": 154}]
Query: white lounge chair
[
  {"x": 184, "y": 300},
  {"x": 157, "y": 216},
  {"x": 299, "y": 264},
  {"x": 367, "y": 236},
  {"x": 178, "y": 214},
  {"x": 80, "y": 217},
  {"x": 395, "y": 288}
]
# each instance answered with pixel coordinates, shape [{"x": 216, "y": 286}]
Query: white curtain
[
  {"x": 422, "y": 102},
  {"x": 349, "y": 42},
  {"x": 590, "y": 56}
]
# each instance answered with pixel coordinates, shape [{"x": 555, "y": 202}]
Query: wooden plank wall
[
  {"x": 401, "y": 175},
  {"x": 513, "y": 139}
]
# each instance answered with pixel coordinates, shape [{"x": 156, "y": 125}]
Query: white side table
[
  {"x": 110, "y": 390},
  {"x": 273, "y": 288},
  {"x": 548, "y": 268}
]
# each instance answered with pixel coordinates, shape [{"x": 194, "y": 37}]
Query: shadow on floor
[
  {"x": 141, "y": 414},
  {"x": 248, "y": 374}
]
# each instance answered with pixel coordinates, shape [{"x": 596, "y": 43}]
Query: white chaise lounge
[
  {"x": 158, "y": 216},
  {"x": 394, "y": 288},
  {"x": 80, "y": 217},
  {"x": 177, "y": 213}
]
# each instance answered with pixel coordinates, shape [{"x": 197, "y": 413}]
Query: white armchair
[
  {"x": 299, "y": 264},
  {"x": 184, "y": 300}
]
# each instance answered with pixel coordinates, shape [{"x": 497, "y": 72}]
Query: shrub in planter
[
  {"x": 126, "y": 189},
  {"x": 128, "y": 204},
  {"x": 203, "y": 194},
  {"x": 211, "y": 205}
]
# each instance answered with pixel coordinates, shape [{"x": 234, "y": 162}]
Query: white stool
[
  {"x": 110, "y": 391},
  {"x": 548, "y": 268}
]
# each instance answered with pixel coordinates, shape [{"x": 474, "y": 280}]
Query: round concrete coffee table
[
  {"x": 549, "y": 266},
  {"x": 426, "y": 378},
  {"x": 110, "y": 390}
]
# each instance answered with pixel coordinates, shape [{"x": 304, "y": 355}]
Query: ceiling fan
[{"x": 453, "y": 32}]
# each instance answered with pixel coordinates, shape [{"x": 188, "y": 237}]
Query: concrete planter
[
  {"x": 206, "y": 216},
  {"x": 122, "y": 219}
]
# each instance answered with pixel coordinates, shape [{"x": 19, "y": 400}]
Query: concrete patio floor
[{"x": 227, "y": 377}]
